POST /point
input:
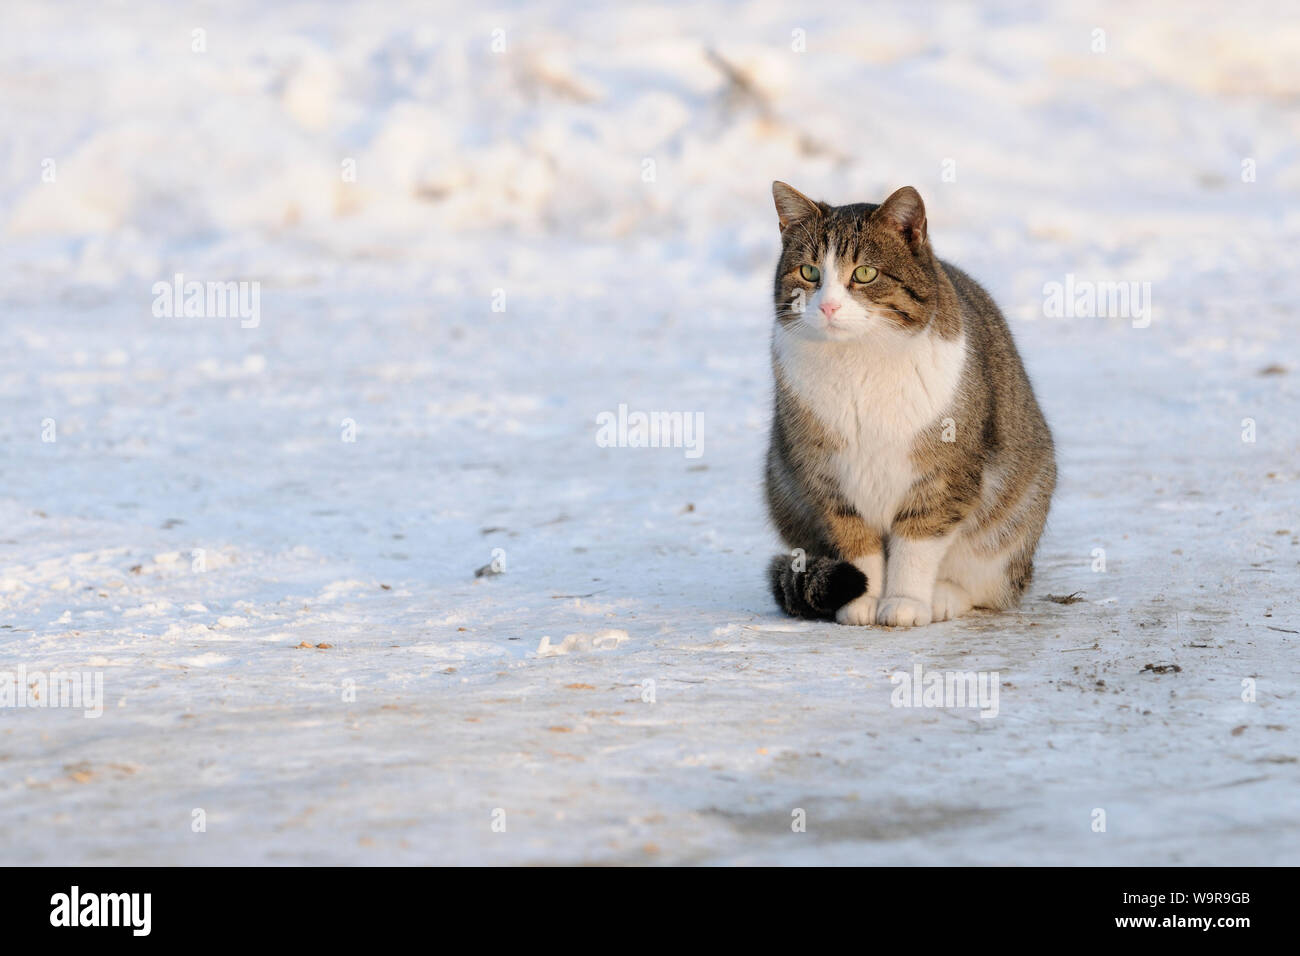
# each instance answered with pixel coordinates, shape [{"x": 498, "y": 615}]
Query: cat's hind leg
[
  {"x": 992, "y": 559},
  {"x": 981, "y": 578},
  {"x": 950, "y": 601}
]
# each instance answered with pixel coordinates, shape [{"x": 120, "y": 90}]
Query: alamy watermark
[
  {"x": 1085, "y": 299},
  {"x": 129, "y": 910},
  {"x": 179, "y": 299},
  {"x": 977, "y": 689},
  {"x": 626, "y": 429},
  {"x": 68, "y": 690}
]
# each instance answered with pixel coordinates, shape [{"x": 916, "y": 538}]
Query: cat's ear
[
  {"x": 792, "y": 206},
  {"x": 904, "y": 212}
]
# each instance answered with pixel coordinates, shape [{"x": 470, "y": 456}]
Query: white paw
[
  {"x": 861, "y": 610},
  {"x": 950, "y": 601},
  {"x": 903, "y": 612}
]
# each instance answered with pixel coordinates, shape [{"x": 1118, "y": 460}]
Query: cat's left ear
[
  {"x": 792, "y": 206},
  {"x": 904, "y": 212}
]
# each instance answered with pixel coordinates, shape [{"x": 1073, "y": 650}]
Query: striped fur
[{"x": 906, "y": 440}]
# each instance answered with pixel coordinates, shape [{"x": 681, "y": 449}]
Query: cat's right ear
[{"x": 792, "y": 206}]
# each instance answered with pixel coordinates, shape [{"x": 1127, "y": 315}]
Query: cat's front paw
[
  {"x": 861, "y": 610},
  {"x": 903, "y": 612}
]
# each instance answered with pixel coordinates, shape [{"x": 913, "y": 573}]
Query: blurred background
[{"x": 292, "y": 142}]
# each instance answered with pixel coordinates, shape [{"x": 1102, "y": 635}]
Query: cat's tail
[{"x": 819, "y": 590}]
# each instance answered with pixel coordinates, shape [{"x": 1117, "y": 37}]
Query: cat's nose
[{"x": 829, "y": 309}]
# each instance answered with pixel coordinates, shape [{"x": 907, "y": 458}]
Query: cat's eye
[
  {"x": 864, "y": 274},
  {"x": 810, "y": 273}
]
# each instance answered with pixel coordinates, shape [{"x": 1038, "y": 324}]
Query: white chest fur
[{"x": 876, "y": 400}]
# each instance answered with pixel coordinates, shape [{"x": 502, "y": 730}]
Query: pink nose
[{"x": 829, "y": 309}]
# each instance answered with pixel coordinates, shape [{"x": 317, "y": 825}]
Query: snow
[{"x": 624, "y": 691}]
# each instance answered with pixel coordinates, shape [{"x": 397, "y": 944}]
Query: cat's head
[{"x": 854, "y": 272}]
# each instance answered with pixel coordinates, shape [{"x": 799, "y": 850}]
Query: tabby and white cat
[{"x": 909, "y": 463}]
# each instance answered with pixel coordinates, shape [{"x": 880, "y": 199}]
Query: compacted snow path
[{"x": 261, "y": 538}]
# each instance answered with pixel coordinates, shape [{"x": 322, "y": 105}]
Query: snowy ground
[{"x": 432, "y": 714}]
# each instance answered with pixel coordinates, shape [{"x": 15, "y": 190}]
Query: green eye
[
  {"x": 864, "y": 274},
  {"x": 810, "y": 273}
]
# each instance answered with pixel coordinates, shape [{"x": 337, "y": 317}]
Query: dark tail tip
[{"x": 819, "y": 590}]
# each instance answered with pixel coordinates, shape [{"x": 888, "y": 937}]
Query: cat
[{"x": 910, "y": 469}]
